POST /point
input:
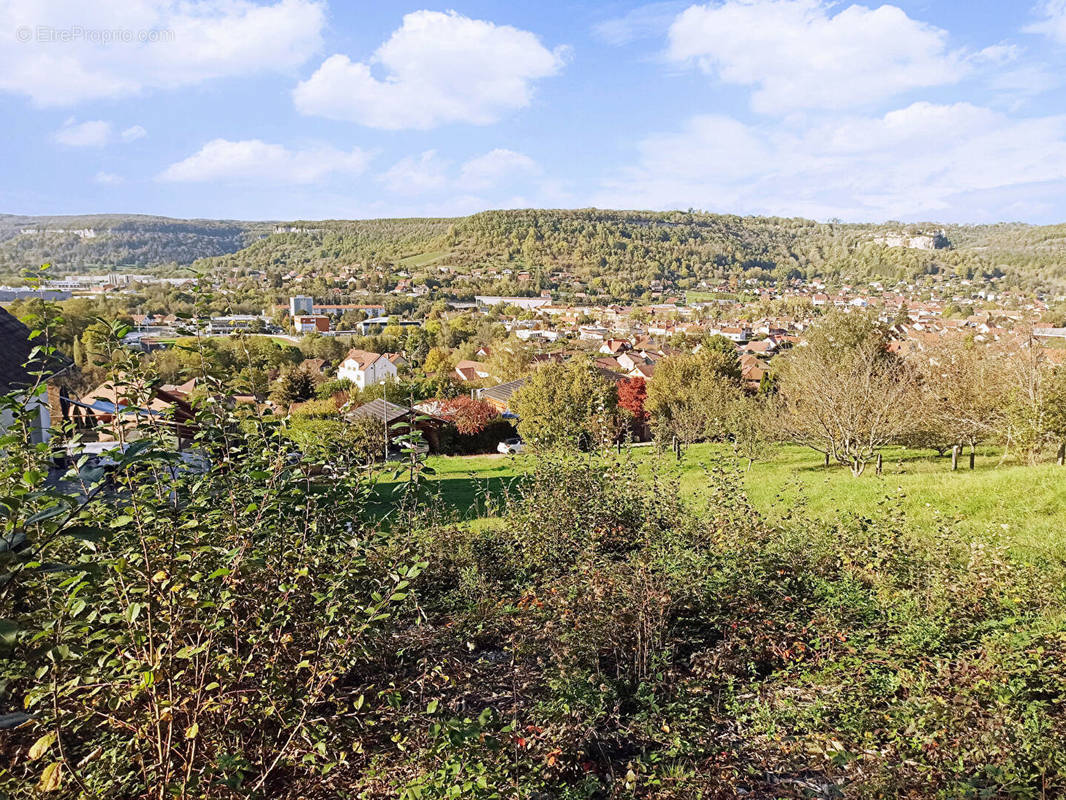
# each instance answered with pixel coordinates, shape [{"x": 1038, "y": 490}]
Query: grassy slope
[{"x": 1027, "y": 505}]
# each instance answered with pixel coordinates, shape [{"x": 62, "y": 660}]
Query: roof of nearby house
[
  {"x": 15, "y": 348},
  {"x": 314, "y": 366},
  {"x": 504, "y": 391},
  {"x": 380, "y": 409},
  {"x": 364, "y": 358}
]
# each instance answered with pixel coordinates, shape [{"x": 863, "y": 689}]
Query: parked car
[{"x": 511, "y": 447}]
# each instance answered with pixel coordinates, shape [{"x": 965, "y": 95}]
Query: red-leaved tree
[
  {"x": 469, "y": 416},
  {"x": 632, "y": 394}
]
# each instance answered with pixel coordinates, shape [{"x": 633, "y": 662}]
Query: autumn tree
[
  {"x": 962, "y": 391},
  {"x": 469, "y": 416},
  {"x": 843, "y": 393}
]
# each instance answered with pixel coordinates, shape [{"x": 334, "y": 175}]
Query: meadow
[{"x": 1023, "y": 506}]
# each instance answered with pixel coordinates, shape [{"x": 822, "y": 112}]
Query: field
[{"x": 1025, "y": 506}]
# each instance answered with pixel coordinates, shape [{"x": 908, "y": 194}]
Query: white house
[{"x": 364, "y": 368}]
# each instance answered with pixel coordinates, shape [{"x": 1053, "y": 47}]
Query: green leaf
[
  {"x": 88, "y": 533},
  {"x": 431, "y": 707}
]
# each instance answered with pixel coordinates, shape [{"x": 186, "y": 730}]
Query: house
[
  {"x": 315, "y": 367},
  {"x": 612, "y": 347},
  {"x": 364, "y": 368},
  {"x": 109, "y": 407},
  {"x": 467, "y": 371},
  {"x": 499, "y": 397},
  {"x": 311, "y": 323},
  {"x": 393, "y": 416},
  {"x": 15, "y": 349},
  {"x": 644, "y": 371},
  {"x": 632, "y": 359}
]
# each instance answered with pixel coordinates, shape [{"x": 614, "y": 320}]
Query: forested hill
[
  {"x": 614, "y": 250},
  {"x": 109, "y": 240}
]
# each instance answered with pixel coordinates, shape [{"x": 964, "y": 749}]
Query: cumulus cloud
[
  {"x": 922, "y": 161},
  {"x": 496, "y": 166},
  {"x": 113, "y": 49},
  {"x": 252, "y": 160},
  {"x": 798, "y": 54},
  {"x": 437, "y": 68},
  {"x": 91, "y": 133},
  {"x": 108, "y": 178}
]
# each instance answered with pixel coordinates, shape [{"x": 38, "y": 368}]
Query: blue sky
[{"x": 306, "y": 109}]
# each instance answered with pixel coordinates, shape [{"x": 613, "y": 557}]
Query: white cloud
[
  {"x": 171, "y": 43},
  {"x": 92, "y": 133},
  {"x": 641, "y": 22},
  {"x": 1053, "y": 22},
  {"x": 490, "y": 169},
  {"x": 947, "y": 162},
  {"x": 108, "y": 178},
  {"x": 259, "y": 162},
  {"x": 416, "y": 175},
  {"x": 438, "y": 68},
  {"x": 133, "y": 133},
  {"x": 797, "y": 54}
]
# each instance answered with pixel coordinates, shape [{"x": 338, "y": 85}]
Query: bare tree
[
  {"x": 844, "y": 394},
  {"x": 963, "y": 389}
]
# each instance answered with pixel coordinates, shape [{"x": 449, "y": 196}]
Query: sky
[{"x": 931, "y": 110}]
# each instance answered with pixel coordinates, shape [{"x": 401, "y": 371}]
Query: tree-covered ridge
[
  {"x": 108, "y": 240},
  {"x": 620, "y": 253},
  {"x": 336, "y": 244}
]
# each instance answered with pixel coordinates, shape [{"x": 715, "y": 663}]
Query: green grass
[
  {"x": 1024, "y": 505},
  {"x": 422, "y": 259}
]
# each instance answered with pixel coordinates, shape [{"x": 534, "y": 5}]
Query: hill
[
  {"x": 109, "y": 240},
  {"x": 617, "y": 252}
]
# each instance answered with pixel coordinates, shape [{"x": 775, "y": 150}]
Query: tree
[
  {"x": 690, "y": 395},
  {"x": 440, "y": 361},
  {"x": 1029, "y": 421},
  {"x": 566, "y": 404},
  {"x": 295, "y": 386},
  {"x": 632, "y": 397},
  {"x": 843, "y": 393},
  {"x": 749, "y": 428},
  {"x": 962, "y": 394},
  {"x": 469, "y": 416}
]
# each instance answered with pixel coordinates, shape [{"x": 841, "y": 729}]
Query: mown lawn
[{"x": 1026, "y": 506}]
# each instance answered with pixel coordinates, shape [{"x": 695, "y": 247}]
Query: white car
[{"x": 511, "y": 447}]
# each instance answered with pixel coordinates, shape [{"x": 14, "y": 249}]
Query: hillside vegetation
[
  {"x": 620, "y": 251},
  {"x": 118, "y": 240}
]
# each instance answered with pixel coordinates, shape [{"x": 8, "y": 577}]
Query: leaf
[
  {"x": 42, "y": 745},
  {"x": 431, "y": 707},
  {"x": 45, "y": 513},
  {"x": 133, "y": 612},
  {"x": 88, "y": 533},
  {"x": 121, "y": 520},
  {"x": 192, "y": 731},
  {"x": 51, "y": 778},
  {"x": 8, "y": 631}
]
